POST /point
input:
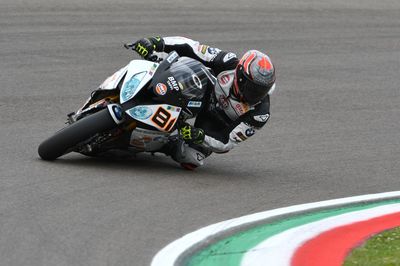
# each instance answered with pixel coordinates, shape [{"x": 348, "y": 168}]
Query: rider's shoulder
[{"x": 225, "y": 61}]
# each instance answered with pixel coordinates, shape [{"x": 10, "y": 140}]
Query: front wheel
[{"x": 67, "y": 138}]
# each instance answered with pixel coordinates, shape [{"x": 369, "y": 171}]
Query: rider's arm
[
  {"x": 243, "y": 128},
  {"x": 213, "y": 58}
]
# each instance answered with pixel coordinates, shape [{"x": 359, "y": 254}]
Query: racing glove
[
  {"x": 146, "y": 46},
  {"x": 191, "y": 135}
]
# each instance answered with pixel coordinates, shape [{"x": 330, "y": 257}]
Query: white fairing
[
  {"x": 161, "y": 116},
  {"x": 112, "y": 81},
  {"x": 139, "y": 73},
  {"x": 148, "y": 140},
  {"x": 140, "y": 70}
]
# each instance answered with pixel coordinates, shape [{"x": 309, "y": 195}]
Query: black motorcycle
[{"x": 137, "y": 109}]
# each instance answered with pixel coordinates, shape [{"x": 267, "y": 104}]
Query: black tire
[{"x": 70, "y": 136}]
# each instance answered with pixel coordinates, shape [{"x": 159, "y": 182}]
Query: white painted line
[
  {"x": 279, "y": 249},
  {"x": 169, "y": 255}
]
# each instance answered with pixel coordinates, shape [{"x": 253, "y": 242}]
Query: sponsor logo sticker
[
  {"x": 239, "y": 108},
  {"x": 261, "y": 118},
  {"x": 140, "y": 112},
  {"x": 228, "y": 57},
  {"x": 196, "y": 104},
  {"x": 204, "y": 49},
  {"x": 212, "y": 50},
  {"x": 147, "y": 139},
  {"x": 117, "y": 111},
  {"x": 173, "y": 108},
  {"x": 138, "y": 144},
  {"x": 223, "y": 101},
  {"x": 172, "y": 83},
  {"x": 240, "y": 136},
  {"x": 197, "y": 81},
  {"x": 151, "y": 72},
  {"x": 200, "y": 157},
  {"x": 224, "y": 79},
  {"x": 161, "y": 89},
  {"x": 250, "y": 132},
  {"x": 172, "y": 57}
]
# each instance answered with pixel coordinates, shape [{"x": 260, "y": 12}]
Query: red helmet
[{"x": 254, "y": 77}]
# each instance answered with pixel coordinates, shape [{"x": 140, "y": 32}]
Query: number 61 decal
[
  {"x": 161, "y": 116},
  {"x": 164, "y": 119}
]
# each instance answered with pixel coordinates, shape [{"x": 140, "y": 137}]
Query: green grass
[{"x": 380, "y": 250}]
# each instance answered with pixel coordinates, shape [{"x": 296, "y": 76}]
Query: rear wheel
[{"x": 67, "y": 138}]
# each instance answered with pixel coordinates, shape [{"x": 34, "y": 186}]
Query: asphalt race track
[{"x": 333, "y": 132}]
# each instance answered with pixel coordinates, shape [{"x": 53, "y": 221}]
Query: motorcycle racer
[{"x": 238, "y": 104}]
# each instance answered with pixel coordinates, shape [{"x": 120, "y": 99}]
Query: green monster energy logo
[
  {"x": 200, "y": 137},
  {"x": 141, "y": 50},
  {"x": 186, "y": 133}
]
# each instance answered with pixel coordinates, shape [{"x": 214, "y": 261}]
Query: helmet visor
[{"x": 251, "y": 91}]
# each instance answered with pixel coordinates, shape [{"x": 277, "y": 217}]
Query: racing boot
[{"x": 188, "y": 156}]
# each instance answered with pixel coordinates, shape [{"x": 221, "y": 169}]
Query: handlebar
[{"x": 129, "y": 45}]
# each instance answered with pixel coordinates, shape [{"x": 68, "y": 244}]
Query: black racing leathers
[{"x": 223, "y": 130}]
